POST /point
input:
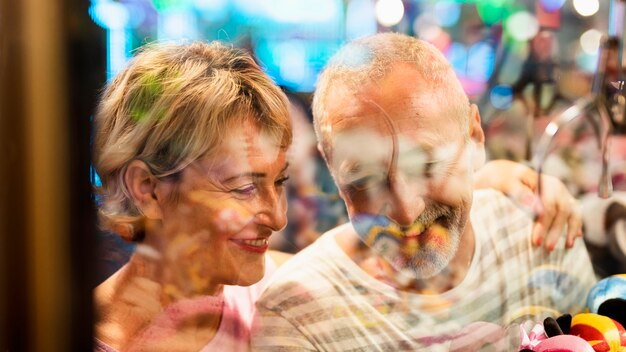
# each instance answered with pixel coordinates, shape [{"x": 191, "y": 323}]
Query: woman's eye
[{"x": 247, "y": 190}]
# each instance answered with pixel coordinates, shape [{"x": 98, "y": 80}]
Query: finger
[
  {"x": 523, "y": 196},
  {"x": 556, "y": 228},
  {"x": 537, "y": 233},
  {"x": 574, "y": 224},
  {"x": 546, "y": 211},
  {"x": 573, "y": 231}
]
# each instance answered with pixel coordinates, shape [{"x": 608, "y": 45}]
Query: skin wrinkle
[
  {"x": 372, "y": 91},
  {"x": 403, "y": 119}
]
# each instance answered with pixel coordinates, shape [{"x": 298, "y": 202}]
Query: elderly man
[{"x": 425, "y": 262}]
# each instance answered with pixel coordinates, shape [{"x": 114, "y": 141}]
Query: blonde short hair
[
  {"x": 170, "y": 106},
  {"x": 370, "y": 58}
]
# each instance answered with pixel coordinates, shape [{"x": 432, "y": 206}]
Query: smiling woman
[{"x": 190, "y": 146}]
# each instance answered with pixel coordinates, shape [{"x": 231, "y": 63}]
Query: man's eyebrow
[
  {"x": 427, "y": 150},
  {"x": 353, "y": 168},
  {"x": 252, "y": 174}
]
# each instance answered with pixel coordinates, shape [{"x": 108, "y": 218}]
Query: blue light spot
[
  {"x": 109, "y": 15},
  {"x": 177, "y": 24},
  {"x": 501, "y": 97},
  {"x": 447, "y": 12},
  {"x": 475, "y": 62},
  {"x": 551, "y": 5},
  {"x": 212, "y": 10},
  {"x": 360, "y": 19}
]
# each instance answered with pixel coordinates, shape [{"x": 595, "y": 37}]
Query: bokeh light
[
  {"x": 178, "y": 24},
  {"x": 447, "y": 12},
  {"x": 212, "y": 10},
  {"x": 551, "y": 5},
  {"x": 588, "y": 63},
  {"x": 170, "y": 4},
  {"x": 474, "y": 63},
  {"x": 109, "y": 14},
  {"x": 360, "y": 19},
  {"x": 324, "y": 25},
  {"x": 307, "y": 11},
  {"x": 522, "y": 26},
  {"x": 501, "y": 96},
  {"x": 248, "y": 8},
  {"x": 493, "y": 11},
  {"x": 389, "y": 12},
  {"x": 586, "y": 7},
  {"x": 426, "y": 26},
  {"x": 292, "y": 59},
  {"x": 590, "y": 41}
]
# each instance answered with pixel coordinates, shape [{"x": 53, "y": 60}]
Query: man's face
[{"x": 403, "y": 169}]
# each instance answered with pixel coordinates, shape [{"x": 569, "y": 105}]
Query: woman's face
[{"x": 224, "y": 209}]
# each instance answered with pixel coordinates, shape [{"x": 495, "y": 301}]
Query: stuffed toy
[
  {"x": 549, "y": 337},
  {"x": 602, "y": 333},
  {"x": 608, "y": 298},
  {"x": 605, "y": 232},
  {"x": 601, "y": 330}
]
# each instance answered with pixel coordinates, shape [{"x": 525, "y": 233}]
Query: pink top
[{"x": 234, "y": 331}]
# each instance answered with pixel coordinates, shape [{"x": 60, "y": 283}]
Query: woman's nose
[{"x": 273, "y": 210}]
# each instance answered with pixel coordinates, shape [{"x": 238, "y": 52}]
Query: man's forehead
[{"x": 377, "y": 108}]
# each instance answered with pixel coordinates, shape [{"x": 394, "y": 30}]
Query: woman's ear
[
  {"x": 142, "y": 184},
  {"x": 477, "y": 137}
]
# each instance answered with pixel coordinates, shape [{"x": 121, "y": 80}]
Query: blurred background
[{"x": 522, "y": 62}]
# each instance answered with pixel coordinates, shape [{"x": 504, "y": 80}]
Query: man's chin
[{"x": 423, "y": 271}]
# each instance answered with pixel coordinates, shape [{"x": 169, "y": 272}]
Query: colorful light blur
[
  {"x": 447, "y": 12},
  {"x": 494, "y": 11},
  {"x": 590, "y": 41},
  {"x": 587, "y": 62},
  {"x": 360, "y": 19},
  {"x": 501, "y": 97},
  {"x": 171, "y": 4},
  {"x": 389, "y": 12},
  {"x": 473, "y": 65},
  {"x": 308, "y": 11},
  {"x": 114, "y": 17},
  {"x": 522, "y": 26},
  {"x": 551, "y": 5},
  {"x": 177, "y": 23},
  {"x": 293, "y": 39},
  {"x": 212, "y": 10},
  {"x": 586, "y": 8}
]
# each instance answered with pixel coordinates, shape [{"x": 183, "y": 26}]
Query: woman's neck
[{"x": 145, "y": 301}]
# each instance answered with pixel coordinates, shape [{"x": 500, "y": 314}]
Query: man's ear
[
  {"x": 142, "y": 187},
  {"x": 477, "y": 137}
]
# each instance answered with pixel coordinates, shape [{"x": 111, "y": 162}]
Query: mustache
[
  {"x": 432, "y": 212},
  {"x": 369, "y": 225}
]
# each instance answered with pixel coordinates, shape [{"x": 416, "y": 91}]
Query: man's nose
[
  {"x": 272, "y": 210},
  {"x": 406, "y": 201}
]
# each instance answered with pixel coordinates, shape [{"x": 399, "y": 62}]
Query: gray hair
[{"x": 370, "y": 58}]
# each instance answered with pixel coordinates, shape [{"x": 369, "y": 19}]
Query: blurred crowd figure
[{"x": 314, "y": 204}]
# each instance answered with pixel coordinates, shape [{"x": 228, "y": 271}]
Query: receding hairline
[{"x": 377, "y": 55}]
